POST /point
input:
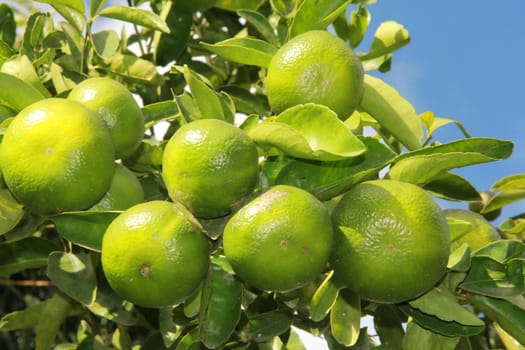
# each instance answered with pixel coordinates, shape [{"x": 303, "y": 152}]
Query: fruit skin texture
[
  {"x": 50, "y": 152},
  {"x": 154, "y": 254},
  {"x": 392, "y": 243},
  {"x": 478, "y": 235},
  {"x": 117, "y": 107},
  {"x": 209, "y": 165},
  {"x": 318, "y": 67},
  {"x": 280, "y": 240},
  {"x": 125, "y": 191}
]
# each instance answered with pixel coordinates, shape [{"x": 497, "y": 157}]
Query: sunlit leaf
[
  {"x": 245, "y": 50},
  {"x": 136, "y": 16},
  {"x": 21, "y": 67},
  {"x": 323, "y": 299},
  {"x": 358, "y": 24},
  {"x": 105, "y": 42},
  {"x": 73, "y": 16},
  {"x": 95, "y": 6},
  {"x": 316, "y": 14},
  {"x": 389, "y": 36},
  {"x": 74, "y": 4},
  {"x": 11, "y": 212},
  {"x": 134, "y": 68},
  {"x": 17, "y": 93},
  {"x": 261, "y": 24},
  {"x": 345, "y": 318}
]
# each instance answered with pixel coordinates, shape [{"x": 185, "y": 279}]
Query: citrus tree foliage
[{"x": 210, "y": 63}]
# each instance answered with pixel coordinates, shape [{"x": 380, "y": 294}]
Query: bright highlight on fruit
[
  {"x": 279, "y": 241},
  {"x": 318, "y": 67},
  {"x": 391, "y": 243}
]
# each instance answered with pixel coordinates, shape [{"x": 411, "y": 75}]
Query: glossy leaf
[
  {"x": 85, "y": 228},
  {"x": 459, "y": 259},
  {"x": 110, "y": 306},
  {"x": 11, "y": 212},
  {"x": 443, "y": 305},
  {"x": 21, "y": 67},
  {"x": 284, "y": 8},
  {"x": 323, "y": 299},
  {"x": 503, "y": 198},
  {"x": 510, "y": 317},
  {"x": 160, "y": 111},
  {"x": 266, "y": 325},
  {"x": 512, "y": 182},
  {"x": 74, "y": 4},
  {"x": 73, "y": 16},
  {"x": 27, "y": 253},
  {"x": 417, "y": 335},
  {"x": 308, "y": 131},
  {"x": 392, "y": 111},
  {"x": 95, "y": 6},
  {"x": 134, "y": 68},
  {"x": 6, "y": 51},
  {"x": 453, "y": 187},
  {"x": 246, "y": 102},
  {"x": 17, "y": 93},
  {"x": 421, "y": 166},
  {"x": 261, "y": 24},
  {"x": 220, "y": 307},
  {"x": 244, "y": 50},
  {"x": 329, "y": 179},
  {"x": 135, "y": 15},
  {"x": 74, "y": 275},
  {"x": 510, "y": 342},
  {"x": 316, "y": 14},
  {"x": 358, "y": 24},
  {"x": 345, "y": 318},
  {"x": 389, "y": 36},
  {"x": 105, "y": 42}
]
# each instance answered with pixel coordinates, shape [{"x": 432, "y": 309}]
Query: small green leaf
[
  {"x": 7, "y": 25},
  {"x": 392, "y": 111},
  {"x": 17, "y": 93},
  {"x": 452, "y": 187},
  {"x": 266, "y": 325},
  {"x": 245, "y": 50},
  {"x": 74, "y": 275},
  {"x": 169, "y": 330},
  {"x": 220, "y": 307},
  {"x": 135, "y": 15},
  {"x": 389, "y": 36},
  {"x": 261, "y": 24},
  {"x": 105, "y": 42},
  {"x": 53, "y": 315},
  {"x": 11, "y": 212},
  {"x": 358, "y": 25},
  {"x": 77, "y": 5},
  {"x": 160, "y": 111},
  {"x": 85, "y": 228},
  {"x": 459, "y": 259},
  {"x": 323, "y": 299},
  {"x": 110, "y": 306},
  {"x": 345, "y": 318},
  {"x": 246, "y": 102},
  {"x": 432, "y": 123},
  {"x": 284, "y": 8},
  {"x": 510, "y": 317},
  {"x": 417, "y": 335},
  {"x": 308, "y": 131},
  {"x": 421, "y": 166},
  {"x": 316, "y": 14},
  {"x": 134, "y": 68},
  {"x": 74, "y": 17},
  {"x": 95, "y": 6},
  {"x": 27, "y": 253},
  {"x": 513, "y": 182},
  {"x": 443, "y": 305},
  {"x": 6, "y": 51}
]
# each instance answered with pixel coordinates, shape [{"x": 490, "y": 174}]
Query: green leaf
[
  {"x": 74, "y": 17},
  {"x": 77, "y": 5},
  {"x": 323, "y": 299},
  {"x": 329, "y": 179},
  {"x": 421, "y": 166},
  {"x": 316, "y": 14},
  {"x": 261, "y": 24},
  {"x": 235, "y": 5},
  {"x": 510, "y": 317},
  {"x": 85, "y": 228},
  {"x": 284, "y": 8},
  {"x": 266, "y": 325},
  {"x": 389, "y": 36},
  {"x": 169, "y": 47},
  {"x": 160, "y": 111},
  {"x": 169, "y": 330},
  {"x": 497, "y": 270},
  {"x": 7, "y": 26},
  {"x": 392, "y": 111},
  {"x": 388, "y": 323},
  {"x": 358, "y": 24},
  {"x": 417, "y": 335},
  {"x": 246, "y": 102},
  {"x": 105, "y": 42},
  {"x": 459, "y": 259},
  {"x": 503, "y": 198},
  {"x": 432, "y": 123},
  {"x": 110, "y": 306},
  {"x": 17, "y": 93},
  {"x": 244, "y": 50},
  {"x": 6, "y": 51},
  {"x": 513, "y": 182},
  {"x": 21, "y": 67},
  {"x": 11, "y": 212},
  {"x": 345, "y": 318},
  {"x": 27, "y": 253},
  {"x": 95, "y": 7},
  {"x": 443, "y": 305},
  {"x": 74, "y": 275},
  {"x": 135, "y": 15},
  {"x": 134, "y": 68},
  {"x": 452, "y": 187},
  {"x": 53, "y": 315},
  {"x": 510, "y": 342},
  {"x": 220, "y": 307},
  {"x": 308, "y": 131}
]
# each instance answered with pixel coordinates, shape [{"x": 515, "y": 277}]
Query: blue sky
[{"x": 464, "y": 62}]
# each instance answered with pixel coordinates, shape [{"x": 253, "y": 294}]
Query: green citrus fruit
[
  {"x": 392, "y": 243},
  {"x": 116, "y": 105},
  {"x": 280, "y": 240},
  {"x": 154, "y": 254},
  {"x": 57, "y": 155},
  {"x": 477, "y": 233},
  {"x": 318, "y": 67},
  {"x": 209, "y": 165},
  {"x": 125, "y": 191},
  {"x": 193, "y": 5}
]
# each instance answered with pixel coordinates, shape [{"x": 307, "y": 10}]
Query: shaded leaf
[
  {"x": 27, "y": 253},
  {"x": 85, "y": 228},
  {"x": 169, "y": 330},
  {"x": 21, "y": 67},
  {"x": 323, "y": 299},
  {"x": 135, "y": 15},
  {"x": 392, "y": 111},
  {"x": 17, "y": 93},
  {"x": 503, "y": 198},
  {"x": 6, "y": 51},
  {"x": 308, "y": 131},
  {"x": 388, "y": 325},
  {"x": 11, "y": 212},
  {"x": 416, "y": 336},
  {"x": 453, "y": 187},
  {"x": 95, "y": 6},
  {"x": 7, "y": 26},
  {"x": 110, "y": 306},
  {"x": 134, "y": 68},
  {"x": 266, "y": 325},
  {"x": 261, "y": 24},
  {"x": 345, "y": 318},
  {"x": 49, "y": 324},
  {"x": 105, "y": 42},
  {"x": 73, "y": 274},
  {"x": 168, "y": 47},
  {"x": 246, "y": 102},
  {"x": 245, "y": 50},
  {"x": 316, "y": 14},
  {"x": 160, "y": 111},
  {"x": 73, "y": 16}
]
